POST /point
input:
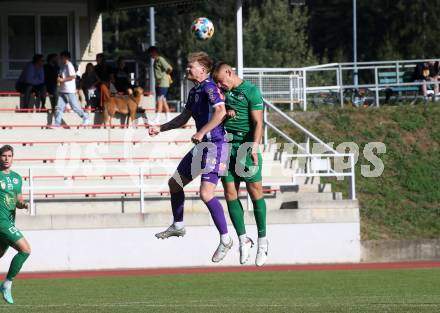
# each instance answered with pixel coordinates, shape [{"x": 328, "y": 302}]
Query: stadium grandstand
[
  {"x": 94, "y": 180},
  {"x": 98, "y": 196}
]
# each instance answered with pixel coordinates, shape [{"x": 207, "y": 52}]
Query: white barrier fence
[
  {"x": 130, "y": 248},
  {"x": 68, "y": 181},
  {"x": 307, "y": 165},
  {"x": 294, "y": 86},
  {"x": 331, "y": 164},
  {"x": 326, "y": 165}
]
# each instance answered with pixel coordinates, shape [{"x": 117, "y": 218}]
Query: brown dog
[{"x": 127, "y": 105}]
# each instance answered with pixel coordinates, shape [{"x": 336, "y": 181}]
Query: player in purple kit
[{"x": 206, "y": 105}]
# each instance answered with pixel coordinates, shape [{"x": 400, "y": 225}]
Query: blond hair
[{"x": 202, "y": 58}]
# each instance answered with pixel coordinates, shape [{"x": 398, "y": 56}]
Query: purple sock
[
  {"x": 216, "y": 210},
  {"x": 177, "y": 200}
]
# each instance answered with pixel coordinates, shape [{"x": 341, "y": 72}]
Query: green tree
[
  {"x": 276, "y": 36},
  {"x": 176, "y": 41},
  {"x": 387, "y": 29}
]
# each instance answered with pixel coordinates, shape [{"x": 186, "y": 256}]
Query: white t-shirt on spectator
[{"x": 67, "y": 70}]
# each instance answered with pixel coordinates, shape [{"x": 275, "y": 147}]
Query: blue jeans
[{"x": 63, "y": 99}]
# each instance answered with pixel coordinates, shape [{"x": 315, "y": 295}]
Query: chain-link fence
[{"x": 278, "y": 88}]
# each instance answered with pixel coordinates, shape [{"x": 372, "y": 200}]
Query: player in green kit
[
  {"x": 11, "y": 199},
  {"x": 245, "y": 128}
]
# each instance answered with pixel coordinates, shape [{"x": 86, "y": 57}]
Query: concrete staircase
[
  {"x": 86, "y": 191},
  {"x": 81, "y": 170}
]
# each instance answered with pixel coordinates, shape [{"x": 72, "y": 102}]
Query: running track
[{"x": 230, "y": 269}]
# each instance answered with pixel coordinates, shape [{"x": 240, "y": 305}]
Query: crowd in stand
[{"x": 48, "y": 79}]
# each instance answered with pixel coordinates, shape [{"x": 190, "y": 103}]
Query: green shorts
[
  {"x": 241, "y": 168},
  {"x": 9, "y": 234}
]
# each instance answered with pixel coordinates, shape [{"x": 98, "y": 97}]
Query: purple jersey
[{"x": 202, "y": 100}]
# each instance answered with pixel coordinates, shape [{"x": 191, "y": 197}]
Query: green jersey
[
  {"x": 242, "y": 99},
  {"x": 10, "y": 187}
]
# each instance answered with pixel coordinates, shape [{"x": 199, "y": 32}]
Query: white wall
[{"x": 61, "y": 250}]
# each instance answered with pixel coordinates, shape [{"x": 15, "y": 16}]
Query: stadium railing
[
  {"x": 98, "y": 142},
  {"x": 135, "y": 186},
  {"x": 314, "y": 164},
  {"x": 84, "y": 159},
  {"x": 133, "y": 65},
  {"x": 278, "y": 85},
  {"x": 294, "y": 86},
  {"x": 78, "y": 126},
  {"x": 339, "y": 78}
]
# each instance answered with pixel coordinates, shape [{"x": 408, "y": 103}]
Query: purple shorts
[{"x": 208, "y": 159}]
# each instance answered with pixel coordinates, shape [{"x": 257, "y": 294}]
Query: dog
[{"x": 127, "y": 105}]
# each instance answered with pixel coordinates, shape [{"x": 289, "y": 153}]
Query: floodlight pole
[
  {"x": 152, "y": 43},
  {"x": 355, "y": 71},
  {"x": 239, "y": 33}
]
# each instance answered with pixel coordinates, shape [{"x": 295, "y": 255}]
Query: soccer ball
[{"x": 202, "y": 28}]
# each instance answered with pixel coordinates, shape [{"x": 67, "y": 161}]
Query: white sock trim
[
  {"x": 262, "y": 241},
  {"x": 7, "y": 284},
  {"x": 242, "y": 238},
  {"x": 179, "y": 225},
  {"x": 225, "y": 238}
]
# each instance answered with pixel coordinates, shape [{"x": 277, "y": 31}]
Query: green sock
[
  {"x": 237, "y": 216},
  {"x": 16, "y": 264},
  {"x": 260, "y": 216}
]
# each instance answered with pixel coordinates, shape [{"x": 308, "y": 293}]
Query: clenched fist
[{"x": 153, "y": 130}]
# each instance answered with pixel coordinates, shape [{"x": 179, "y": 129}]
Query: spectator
[
  {"x": 89, "y": 83},
  {"x": 121, "y": 77},
  {"x": 51, "y": 70},
  {"x": 67, "y": 91},
  {"x": 32, "y": 80},
  {"x": 102, "y": 69},
  {"x": 162, "y": 75},
  {"x": 434, "y": 77},
  {"x": 103, "y": 72},
  {"x": 424, "y": 72}
]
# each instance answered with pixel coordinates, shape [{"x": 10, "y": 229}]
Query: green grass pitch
[{"x": 378, "y": 291}]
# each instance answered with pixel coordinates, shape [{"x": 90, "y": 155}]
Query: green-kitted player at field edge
[
  {"x": 11, "y": 199},
  {"x": 245, "y": 125}
]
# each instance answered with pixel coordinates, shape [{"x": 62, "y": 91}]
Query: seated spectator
[
  {"x": 121, "y": 77},
  {"x": 89, "y": 83},
  {"x": 51, "y": 72},
  {"x": 434, "y": 76},
  {"x": 427, "y": 71},
  {"x": 32, "y": 80}
]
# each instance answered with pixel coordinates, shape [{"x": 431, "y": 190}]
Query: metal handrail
[
  {"x": 390, "y": 62},
  {"x": 306, "y": 150},
  {"x": 137, "y": 186},
  {"x": 339, "y": 69},
  {"x": 296, "y": 124}
]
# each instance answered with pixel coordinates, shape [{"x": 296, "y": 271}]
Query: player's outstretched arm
[
  {"x": 216, "y": 119},
  {"x": 177, "y": 122}
]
